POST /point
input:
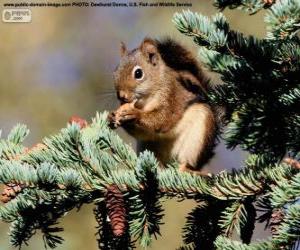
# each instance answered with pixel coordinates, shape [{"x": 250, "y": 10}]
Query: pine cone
[
  {"x": 10, "y": 191},
  {"x": 81, "y": 122},
  {"x": 292, "y": 162},
  {"x": 269, "y": 2},
  {"x": 116, "y": 211},
  {"x": 276, "y": 218}
]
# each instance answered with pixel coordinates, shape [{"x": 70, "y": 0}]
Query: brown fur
[{"x": 163, "y": 110}]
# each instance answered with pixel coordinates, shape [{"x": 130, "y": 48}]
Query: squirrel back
[
  {"x": 184, "y": 60},
  {"x": 179, "y": 58}
]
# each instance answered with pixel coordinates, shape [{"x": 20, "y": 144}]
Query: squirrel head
[
  {"x": 154, "y": 67},
  {"x": 138, "y": 73}
]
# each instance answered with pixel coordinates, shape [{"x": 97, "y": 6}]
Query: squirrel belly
[{"x": 190, "y": 142}]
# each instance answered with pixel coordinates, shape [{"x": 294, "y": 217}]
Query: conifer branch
[
  {"x": 89, "y": 163},
  {"x": 250, "y": 6}
]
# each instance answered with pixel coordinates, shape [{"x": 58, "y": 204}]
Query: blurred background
[{"x": 61, "y": 65}]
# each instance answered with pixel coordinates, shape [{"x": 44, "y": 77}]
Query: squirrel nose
[{"x": 123, "y": 96}]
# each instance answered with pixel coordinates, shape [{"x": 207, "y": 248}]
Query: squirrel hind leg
[
  {"x": 196, "y": 134},
  {"x": 185, "y": 167}
]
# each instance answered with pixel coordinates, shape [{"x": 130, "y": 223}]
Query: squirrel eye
[{"x": 138, "y": 73}]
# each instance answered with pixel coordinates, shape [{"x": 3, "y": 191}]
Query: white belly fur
[{"x": 186, "y": 140}]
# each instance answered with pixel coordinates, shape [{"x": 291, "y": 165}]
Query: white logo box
[{"x": 16, "y": 15}]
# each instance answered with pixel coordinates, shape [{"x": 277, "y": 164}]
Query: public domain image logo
[{"x": 16, "y": 15}]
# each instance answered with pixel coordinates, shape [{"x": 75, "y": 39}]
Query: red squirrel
[{"x": 161, "y": 87}]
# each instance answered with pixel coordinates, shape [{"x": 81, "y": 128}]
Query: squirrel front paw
[
  {"x": 123, "y": 114},
  {"x": 127, "y": 112},
  {"x": 112, "y": 122}
]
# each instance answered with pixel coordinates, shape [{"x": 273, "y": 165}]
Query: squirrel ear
[
  {"x": 123, "y": 49},
  {"x": 149, "y": 49}
]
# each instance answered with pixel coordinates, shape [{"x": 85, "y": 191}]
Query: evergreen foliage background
[{"x": 93, "y": 165}]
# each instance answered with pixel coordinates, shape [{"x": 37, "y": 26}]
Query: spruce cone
[
  {"x": 116, "y": 211},
  {"x": 81, "y": 122},
  {"x": 269, "y": 2},
  {"x": 10, "y": 191},
  {"x": 276, "y": 218},
  {"x": 292, "y": 162}
]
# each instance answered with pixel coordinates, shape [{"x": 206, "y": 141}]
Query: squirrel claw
[
  {"x": 125, "y": 113},
  {"x": 112, "y": 122}
]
